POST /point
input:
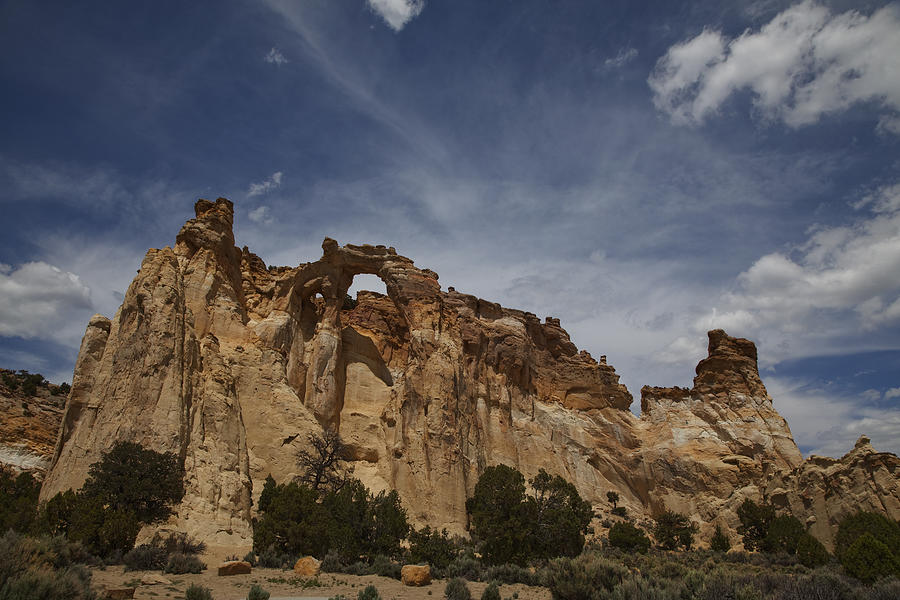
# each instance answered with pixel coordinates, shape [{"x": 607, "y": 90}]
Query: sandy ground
[{"x": 284, "y": 584}]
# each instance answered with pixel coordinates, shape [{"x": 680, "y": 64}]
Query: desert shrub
[
  {"x": 673, "y": 530},
  {"x": 18, "y": 501},
  {"x": 755, "y": 520},
  {"x": 369, "y": 593},
  {"x": 197, "y": 592},
  {"x": 719, "y": 541},
  {"x": 177, "y": 541},
  {"x": 271, "y": 558},
  {"x": 250, "y": 557},
  {"x": 491, "y": 592},
  {"x": 639, "y": 588},
  {"x": 457, "y": 589},
  {"x": 432, "y": 547},
  {"x": 868, "y": 559},
  {"x": 510, "y": 574},
  {"x": 146, "y": 558},
  {"x": 179, "y": 564},
  {"x": 878, "y": 526},
  {"x": 629, "y": 538},
  {"x": 385, "y": 567},
  {"x": 41, "y": 568},
  {"x": 886, "y": 589},
  {"x": 820, "y": 585},
  {"x": 464, "y": 566},
  {"x": 332, "y": 563},
  {"x": 582, "y": 577},
  {"x": 619, "y": 511},
  {"x": 257, "y": 593}
]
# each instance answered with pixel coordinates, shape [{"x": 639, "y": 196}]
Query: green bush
[
  {"x": 646, "y": 589},
  {"x": 431, "y": 547},
  {"x": 270, "y": 558},
  {"x": 369, "y": 593},
  {"x": 177, "y": 541},
  {"x": 628, "y": 537},
  {"x": 783, "y": 535},
  {"x": 332, "y": 563},
  {"x": 878, "y": 526},
  {"x": 619, "y": 511},
  {"x": 868, "y": 559},
  {"x": 811, "y": 552},
  {"x": 673, "y": 530},
  {"x": 582, "y": 577},
  {"x": 464, "y": 566},
  {"x": 146, "y": 558},
  {"x": 179, "y": 564},
  {"x": 491, "y": 592},
  {"x": 755, "y": 520},
  {"x": 513, "y": 527},
  {"x": 257, "y": 593},
  {"x": 719, "y": 541},
  {"x": 457, "y": 590},
  {"x": 130, "y": 478},
  {"x": 197, "y": 592},
  {"x": 18, "y": 501}
]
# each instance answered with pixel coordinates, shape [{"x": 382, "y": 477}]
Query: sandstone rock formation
[
  {"x": 231, "y": 364},
  {"x": 29, "y": 423}
]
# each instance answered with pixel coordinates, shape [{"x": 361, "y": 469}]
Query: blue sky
[{"x": 644, "y": 171}]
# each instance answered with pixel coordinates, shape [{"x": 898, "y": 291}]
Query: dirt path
[{"x": 285, "y": 584}]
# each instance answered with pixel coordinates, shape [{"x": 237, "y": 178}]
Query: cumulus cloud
[
  {"x": 397, "y": 13},
  {"x": 265, "y": 186},
  {"x": 275, "y": 57},
  {"x": 839, "y": 278},
  {"x": 38, "y": 299},
  {"x": 805, "y": 63},
  {"x": 827, "y": 423}
]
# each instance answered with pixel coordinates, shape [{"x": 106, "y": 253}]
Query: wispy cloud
[
  {"x": 264, "y": 187},
  {"x": 625, "y": 56},
  {"x": 275, "y": 57},
  {"x": 261, "y": 215},
  {"x": 805, "y": 63},
  {"x": 397, "y": 13}
]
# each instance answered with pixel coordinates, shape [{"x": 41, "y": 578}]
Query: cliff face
[
  {"x": 29, "y": 421},
  {"x": 231, "y": 365}
]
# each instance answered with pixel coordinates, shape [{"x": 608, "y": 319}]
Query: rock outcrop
[
  {"x": 231, "y": 364},
  {"x": 30, "y": 415}
]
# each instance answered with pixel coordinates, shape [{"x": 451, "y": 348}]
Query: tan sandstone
[
  {"x": 415, "y": 575},
  {"x": 307, "y": 566},
  {"x": 230, "y": 364}
]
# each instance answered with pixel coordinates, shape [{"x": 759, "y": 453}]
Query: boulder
[
  {"x": 416, "y": 575},
  {"x": 235, "y": 567},
  {"x": 307, "y": 567},
  {"x": 119, "y": 593}
]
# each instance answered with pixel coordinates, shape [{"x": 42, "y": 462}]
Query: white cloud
[
  {"x": 37, "y": 300},
  {"x": 840, "y": 280},
  {"x": 624, "y": 56},
  {"x": 261, "y": 215},
  {"x": 275, "y": 57},
  {"x": 397, "y": 13},
  {"x": 803, "y": 64},
  {"x": 828, "y": 423},
  {"x": 266, "y": 186},
  {"x": 892, "y": 393}
]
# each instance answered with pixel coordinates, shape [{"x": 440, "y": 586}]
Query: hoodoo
[{"x": 230, "y": 364}]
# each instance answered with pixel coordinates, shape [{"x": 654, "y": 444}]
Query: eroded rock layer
[{"x": 231, "y": 364}]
